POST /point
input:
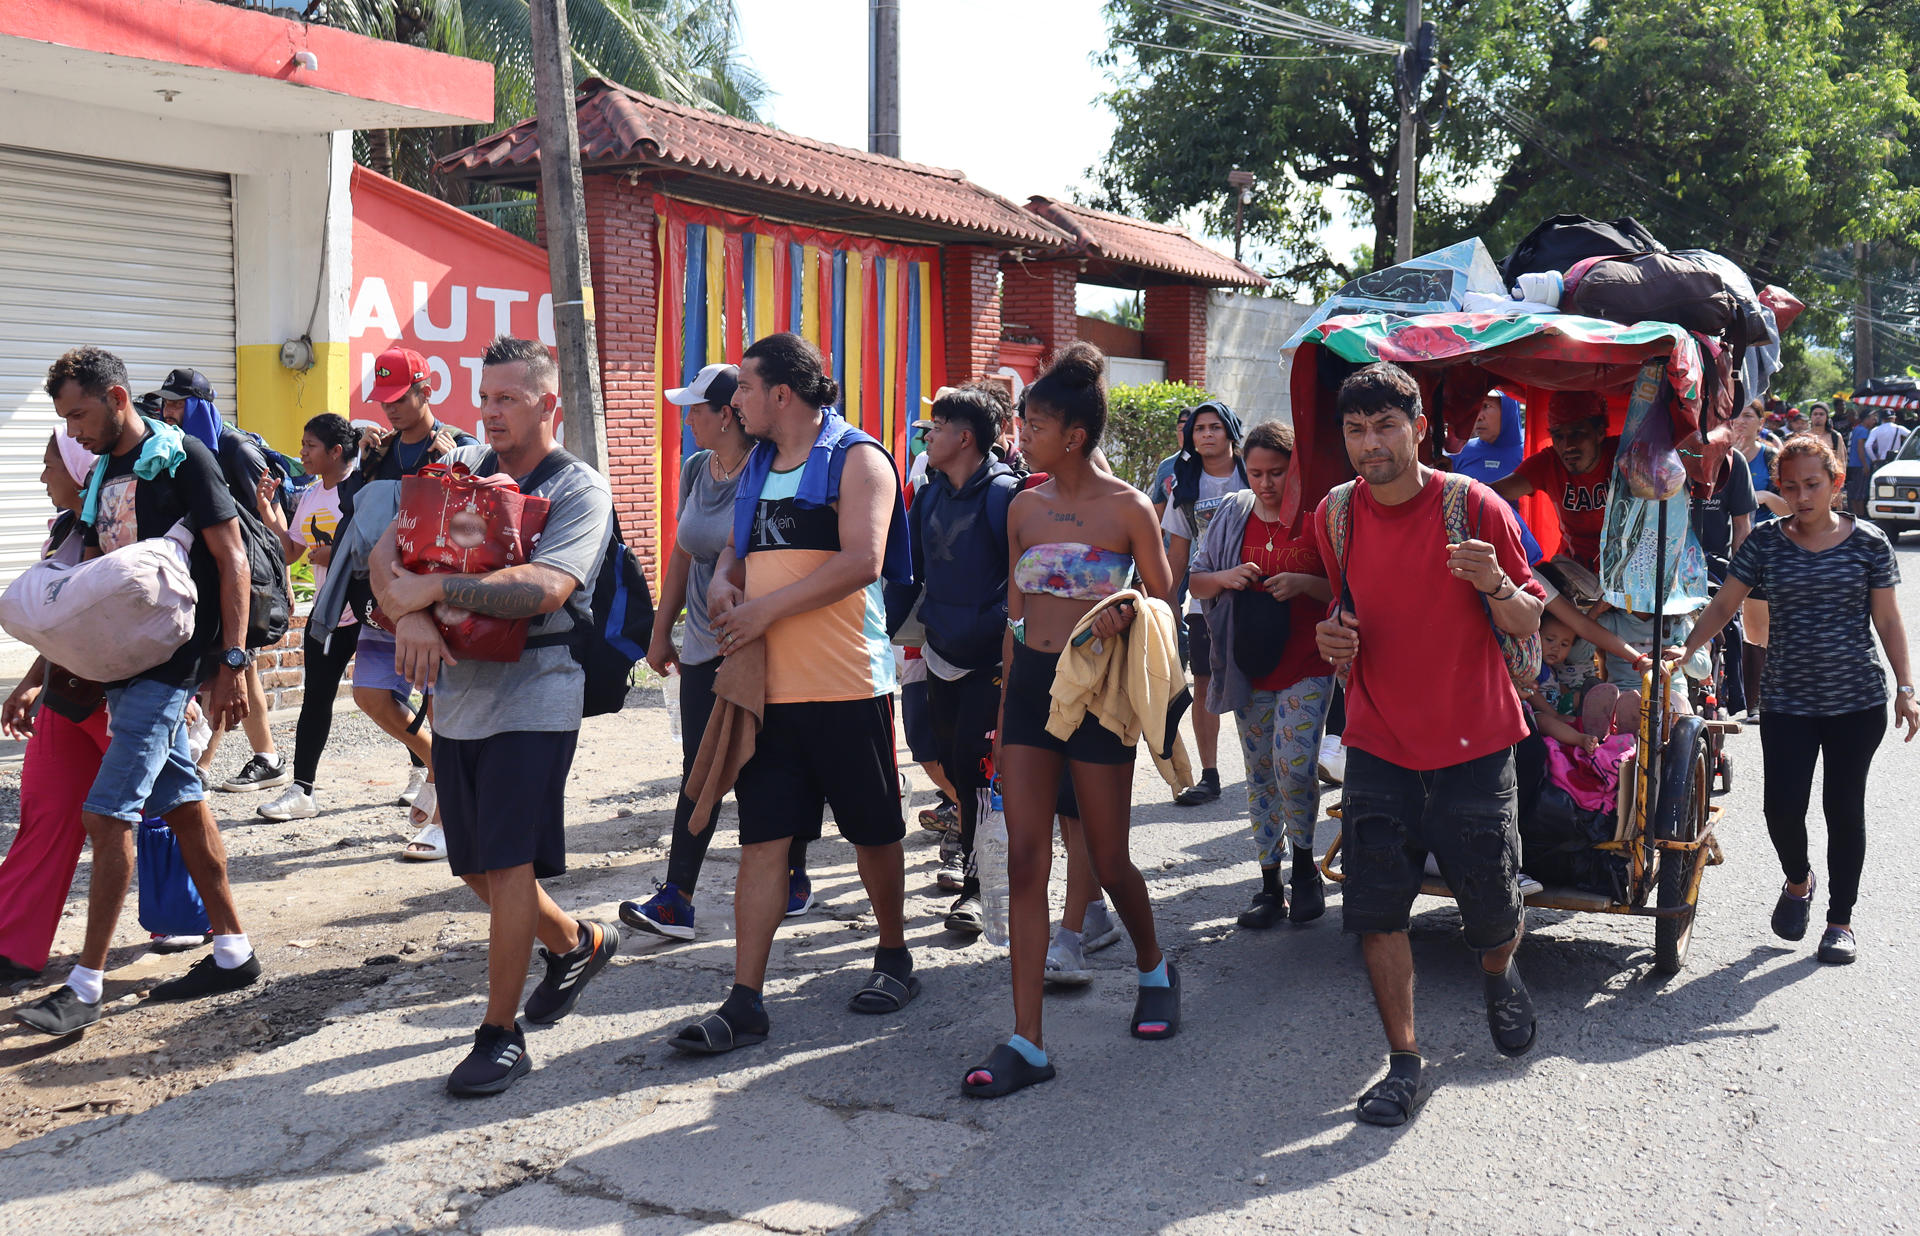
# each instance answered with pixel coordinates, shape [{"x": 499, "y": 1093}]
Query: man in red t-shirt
[
  {"x": 1431, "y": 717},
  {"x": 1572, "y": 473}
]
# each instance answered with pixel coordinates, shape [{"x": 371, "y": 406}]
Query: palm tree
[{"x": 686, "y": 51}]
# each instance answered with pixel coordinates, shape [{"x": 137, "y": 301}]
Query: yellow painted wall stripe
[
  {"x": 810, "y": 294},
  {"x": 716, "y": 295},
  {"x": 763, "y": 289}
]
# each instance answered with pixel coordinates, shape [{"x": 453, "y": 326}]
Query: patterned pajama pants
[{"x": 1280, "y": 736}]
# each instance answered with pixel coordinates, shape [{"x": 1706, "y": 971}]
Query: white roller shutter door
[{"x": 137, "y": 260}]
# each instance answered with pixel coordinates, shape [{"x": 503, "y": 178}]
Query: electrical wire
[
  {"x": 1233, "y": 17},
  {"x": 1227, "y": 55}
]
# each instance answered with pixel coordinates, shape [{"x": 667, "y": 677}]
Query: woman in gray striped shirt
[{"x": 1830, "y": 579}]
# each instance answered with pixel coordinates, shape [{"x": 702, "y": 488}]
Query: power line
[
  {"x": 1273, "y": 23},
  {"x": 1229, "y": 55}
]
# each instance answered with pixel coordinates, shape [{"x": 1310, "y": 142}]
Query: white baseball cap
[{"x": 714, "y": 384}]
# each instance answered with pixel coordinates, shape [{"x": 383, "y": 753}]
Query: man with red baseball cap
[
  {"x": 403, "y": 387},
  {"x": 1573, "y": 472}
]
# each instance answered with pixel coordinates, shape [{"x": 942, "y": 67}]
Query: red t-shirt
[
  {"x": 1429, "y": 688},
  {"x": 1297, "y": 555},
  {"x": 1581, "y": 501}
]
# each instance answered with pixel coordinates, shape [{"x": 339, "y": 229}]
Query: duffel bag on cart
[{"x": 110, "y": 617}]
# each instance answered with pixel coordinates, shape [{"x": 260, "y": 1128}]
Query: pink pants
[{"x": 62, "y": 761}]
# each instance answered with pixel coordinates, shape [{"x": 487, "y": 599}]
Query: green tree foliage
[
  {"x": 1776, "y": 132},
  {"x": 1304, "y": 120},
  {"x": 1140, "y": 427},
  {"x": 1810, "y": 373},
  {"x": 685, "y": 51},
  {"x": 1770, "y": 131}
]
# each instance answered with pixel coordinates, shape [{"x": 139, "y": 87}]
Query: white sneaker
[
  {"x": 1099, "y": 928},
  {"x": 1528, "y": 885},
  {"x": 1333, "y": 759},
  {"x": 1067, "y": 962},
  {"x": 415, "y": 779},
  {"x": 293, "y": 803}
]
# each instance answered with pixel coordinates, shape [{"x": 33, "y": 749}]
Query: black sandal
[
  {"x": 882, "y": 993},
  {"x": 1510, "y": 1011},
  {"x": 1156, "y": 1010},
  {"x": 714, "y": 1035},
  {"x": 1394, "y": 1100},
  {"x": 1005, "y": 1071}
]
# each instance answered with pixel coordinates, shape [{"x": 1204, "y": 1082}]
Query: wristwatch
[
  {"x": 235, "y": 659},
  {"x": 1907, "y": 690}
]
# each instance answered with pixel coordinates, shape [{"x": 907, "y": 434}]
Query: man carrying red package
[{"x": 505, "y": 731}]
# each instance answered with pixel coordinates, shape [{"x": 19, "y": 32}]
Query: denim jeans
[{"x": 148, "y": 768}]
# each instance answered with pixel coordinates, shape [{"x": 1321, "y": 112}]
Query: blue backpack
[{"x": 610, "y": 630}]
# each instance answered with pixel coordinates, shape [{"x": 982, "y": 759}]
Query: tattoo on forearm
[{"x": 499, "y": 599}]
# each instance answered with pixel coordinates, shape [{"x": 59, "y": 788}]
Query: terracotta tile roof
[
  {"x": 821, "y": 183},
  {"x": 1116, "y": 242}
]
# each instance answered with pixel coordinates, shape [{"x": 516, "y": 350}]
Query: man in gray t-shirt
[{"x": 504, "y": 732}]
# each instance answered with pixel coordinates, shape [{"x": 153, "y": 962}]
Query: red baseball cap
[{"x": 395, "y": 373}]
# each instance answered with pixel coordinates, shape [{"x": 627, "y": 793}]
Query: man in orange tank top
[{"x": 802, "y": 572}]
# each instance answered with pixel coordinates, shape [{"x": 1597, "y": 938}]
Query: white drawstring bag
[{"x": 111, "y": 617}]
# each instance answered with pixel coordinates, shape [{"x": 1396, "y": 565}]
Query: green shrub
[{"x": 1140, "y": 426}]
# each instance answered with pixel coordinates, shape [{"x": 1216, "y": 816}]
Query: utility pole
[
  {"x": 1414, "y": 61},
  {"x": 1242, "y": 183},
  {"x": 565, "y": 200},
  {"x": 883, "y": 77}
]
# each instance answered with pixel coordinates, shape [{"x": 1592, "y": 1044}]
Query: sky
[{"x": 1004, "y": 90}]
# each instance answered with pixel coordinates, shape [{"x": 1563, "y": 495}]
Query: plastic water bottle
[
  {"x": 670, "y": 696},
  {"x": 990, "y": 861}
]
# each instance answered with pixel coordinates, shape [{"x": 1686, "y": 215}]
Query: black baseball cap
[
  {"x": 149, "y": 403},
  {"x": 186, "y": 384}
]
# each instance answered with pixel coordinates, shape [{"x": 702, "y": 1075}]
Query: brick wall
[
  {"x": 1176, "y": 331},
  {"x": 1038, "y": 297},
  {"x": 970, "y": 278},
  {"x": 621, "y": 224}
]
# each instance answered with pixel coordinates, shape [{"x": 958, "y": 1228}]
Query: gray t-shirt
[
  {"x": 1177, "y": 521},
  {"x": 706, "y": 521},
  {"x": 544, "y": 689}
]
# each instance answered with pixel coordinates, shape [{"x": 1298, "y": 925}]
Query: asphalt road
[{"x": 1755, "y": 1092}]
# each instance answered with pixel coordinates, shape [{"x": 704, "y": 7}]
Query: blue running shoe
[
  {"x": 667, "y": 913},
  {"x": 799, "y": 893}
]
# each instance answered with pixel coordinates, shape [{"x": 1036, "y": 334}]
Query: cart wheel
[{"x": 1679, "y": 816}]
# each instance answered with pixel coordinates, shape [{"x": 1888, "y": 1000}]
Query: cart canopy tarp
[
  {"x": 1434, "y": 282},
  {"x": 1456, "y": 356}
]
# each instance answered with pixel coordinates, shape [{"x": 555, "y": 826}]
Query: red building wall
[
  {"x": 1039, "y": 296},
  {"x": 1176, "y": 331}
]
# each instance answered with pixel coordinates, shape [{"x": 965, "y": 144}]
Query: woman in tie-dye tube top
[{"x": 1074, "y": 540}]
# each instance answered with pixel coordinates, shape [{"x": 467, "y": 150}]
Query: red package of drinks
[{"x": 452, "y": 522}]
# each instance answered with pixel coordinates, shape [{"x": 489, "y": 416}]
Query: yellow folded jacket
[{"x": 1128, "y": 683}]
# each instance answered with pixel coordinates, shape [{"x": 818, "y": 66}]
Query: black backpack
[
  {"x": 269, "y": 598},
  {"x": 611, "y": 629},
  {"x": 1564, "y": 240}
]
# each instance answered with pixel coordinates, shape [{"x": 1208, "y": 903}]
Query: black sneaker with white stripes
[
  {"x": 498, "y": 1059},
  {"x": 569, "y": 973},
  {"x": 262, "y": 772}
]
